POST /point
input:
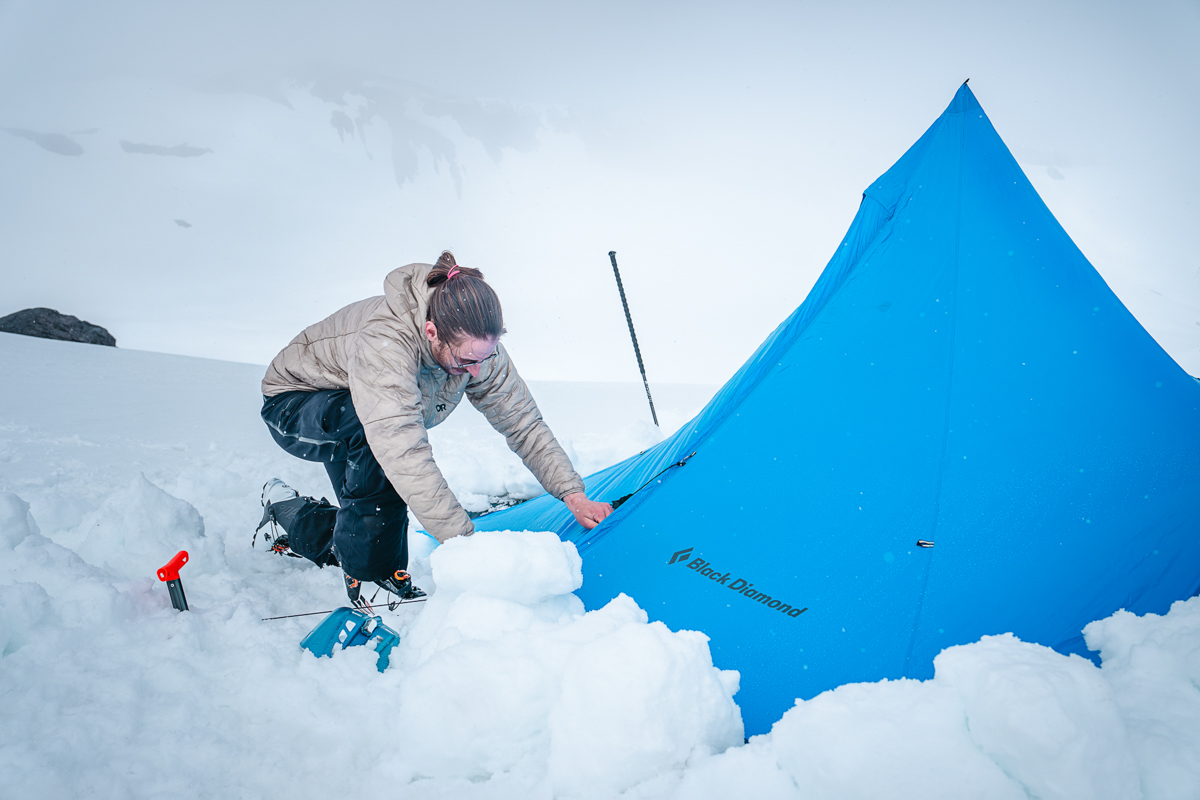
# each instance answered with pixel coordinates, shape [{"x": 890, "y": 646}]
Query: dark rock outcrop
[{"x": 46, "y": 323}]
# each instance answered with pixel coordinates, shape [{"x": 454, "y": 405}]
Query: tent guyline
[
  {"x": 612, "y": 256},
  {"x": 621, "y": 500}
]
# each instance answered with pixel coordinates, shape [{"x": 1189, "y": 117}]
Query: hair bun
[{"x": 465, "y": 307}]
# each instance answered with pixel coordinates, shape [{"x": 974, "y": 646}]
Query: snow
[
  {"x": 1153, "y": 666},
  {"x": 112, "y": 460}
]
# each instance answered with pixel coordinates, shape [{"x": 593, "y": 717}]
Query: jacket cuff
[
  {"x": 449, "y": 530},
  {"x": 572, "y": 487}
]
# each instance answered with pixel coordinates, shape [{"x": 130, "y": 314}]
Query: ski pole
[
  {"x": 314, "y": 613},
  {"x": 612, "y": 256}
]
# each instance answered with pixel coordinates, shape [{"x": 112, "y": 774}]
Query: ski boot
[
  {"x": 354, "y": 592},
  {"x": 280, "y": 503},
  {"x": 400, "y": 584}
]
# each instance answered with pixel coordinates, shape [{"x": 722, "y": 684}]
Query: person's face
[{"x": 465, "y": 357}]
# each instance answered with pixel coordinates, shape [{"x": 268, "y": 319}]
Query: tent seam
[{"x": 937, "y": 494}]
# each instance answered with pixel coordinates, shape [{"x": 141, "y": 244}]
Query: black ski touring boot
[
  {"x": 354, "y": 592},
  {"x": 400, "y": 584},
  {"x": 280, "y": 504},
  {"x": 296, "y": 526}
]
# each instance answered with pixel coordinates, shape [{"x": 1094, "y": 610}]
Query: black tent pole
[{"x": 612, "y": 256}]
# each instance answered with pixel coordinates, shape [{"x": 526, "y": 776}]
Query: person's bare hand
[{"x": 588, "y": 513}]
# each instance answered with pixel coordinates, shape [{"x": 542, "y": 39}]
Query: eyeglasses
[{"x": 464, "y": 364}]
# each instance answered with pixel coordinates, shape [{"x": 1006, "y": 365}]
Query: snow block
[
  {"x": 350, "y": 627},
  {"x": 135, "y": 530},
  {"x": 524, "y": 567},
  {"x": 505, "y": 675}
]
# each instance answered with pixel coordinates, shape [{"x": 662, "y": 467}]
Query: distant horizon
[{"x": 621, "y": 382}]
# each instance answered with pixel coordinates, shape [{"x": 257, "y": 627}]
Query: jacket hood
[
  {"x": 407, "y": 297},
  {"x": 406, "y": 292}
]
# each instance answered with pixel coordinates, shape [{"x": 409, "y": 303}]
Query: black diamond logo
[{"x": 680, "y": 556}]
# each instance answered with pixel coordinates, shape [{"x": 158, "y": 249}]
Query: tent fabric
[{"x": 959, "y": 375}]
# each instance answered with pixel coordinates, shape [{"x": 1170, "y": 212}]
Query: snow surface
[{"x": 112, "y": 460}]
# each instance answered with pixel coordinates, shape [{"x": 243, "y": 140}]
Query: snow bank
[
  {"x": 501, "y": 678},
  {"x": 133, "y": 529},
  {"x": 1001, "y": 718},
  {"x": 1153, "y": 665},
  {"x": 533, "y": 684}
]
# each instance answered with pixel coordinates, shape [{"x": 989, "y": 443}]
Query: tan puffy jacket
[{"x": 377, "y": 348}]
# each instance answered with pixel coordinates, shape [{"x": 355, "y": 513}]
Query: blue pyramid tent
[{"x": 961, "y": 431}]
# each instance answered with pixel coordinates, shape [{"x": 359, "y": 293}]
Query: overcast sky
[{"x": 209, "y": 179}]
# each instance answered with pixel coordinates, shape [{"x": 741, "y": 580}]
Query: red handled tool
[{"x": 170, "y": 574}]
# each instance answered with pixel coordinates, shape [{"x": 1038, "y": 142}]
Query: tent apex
[{"x": 964, "y": 100}]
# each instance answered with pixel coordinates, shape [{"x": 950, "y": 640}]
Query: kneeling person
[{"x": 358, "y": 392}]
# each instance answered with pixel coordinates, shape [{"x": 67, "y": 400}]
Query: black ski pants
[{"x": 368, "y": 533}]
